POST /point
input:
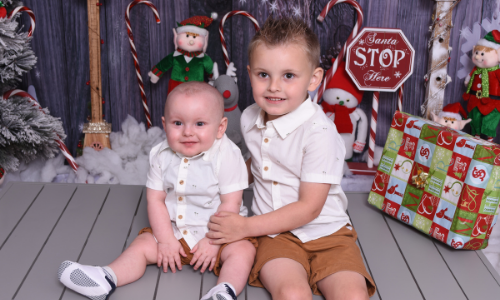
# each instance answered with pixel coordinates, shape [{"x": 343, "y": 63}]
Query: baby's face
[
  {"x": 192, "y": 123},
  {"x": 280, "y": 78}
]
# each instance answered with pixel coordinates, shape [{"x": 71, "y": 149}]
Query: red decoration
[
  {"x": 380, "y": 59},
  {"x": 3, "y": 12},
  {"x": 200, "y": 21}
]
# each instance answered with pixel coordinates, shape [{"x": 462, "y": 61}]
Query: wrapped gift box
[{"x": 443, "y": 182}]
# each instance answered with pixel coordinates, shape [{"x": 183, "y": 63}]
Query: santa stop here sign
[{"x": 380, "y": 59}]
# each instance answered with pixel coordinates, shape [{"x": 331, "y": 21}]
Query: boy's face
[
  {"x": 485, "y": 58},
  {"x": 280, "y": 78},
  {"x": 192, "y": 123}
]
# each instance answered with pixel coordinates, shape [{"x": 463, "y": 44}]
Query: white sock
[
  {"x": 222, "y": 291},
  {"x": 93, "y": 282},
  {"x": 112, "y": 273}
]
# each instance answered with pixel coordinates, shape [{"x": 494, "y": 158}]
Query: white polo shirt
[
  {"x": 194, "y": 184},
  {"x": 303, "y": 145}
]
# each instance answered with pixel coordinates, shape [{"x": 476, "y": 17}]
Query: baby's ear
[{"x": 222, "y": 128}]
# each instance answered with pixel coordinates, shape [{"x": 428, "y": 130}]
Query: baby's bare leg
[
  {"x": 131, "y": 264},
  {"x": 237, "y": 260}
]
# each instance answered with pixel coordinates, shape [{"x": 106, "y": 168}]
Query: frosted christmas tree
[{"x": 26, "y": 130}]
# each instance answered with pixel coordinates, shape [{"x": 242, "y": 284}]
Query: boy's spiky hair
[{"x": 284, "y": 31}]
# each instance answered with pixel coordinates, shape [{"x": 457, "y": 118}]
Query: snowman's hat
[
  {"x": 453, "y": 110},
  {"x": 342, "y": 80}
]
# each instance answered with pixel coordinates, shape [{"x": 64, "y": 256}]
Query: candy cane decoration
[
  {"x": 400, "y": 98},
  {"x": 373, "y": 129},
  {"x": 29, "y": 12},
  {"x": 357, "y": 26},
  {"x": 61, "y": 144},
  {"x": 221, "y": 29},
  {"x": 134, "y": 51}
]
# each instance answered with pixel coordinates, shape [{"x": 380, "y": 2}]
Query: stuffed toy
[
  {"x": 483, "y": 87},
  {"x": 451, "y": 116},
  {"x": 340, "y": 101},
  {"x": 226, "y": 85},
  {"x": 189, "y": 62}
]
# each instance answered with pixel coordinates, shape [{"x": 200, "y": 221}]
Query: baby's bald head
[{"x": 205, "y": 92}]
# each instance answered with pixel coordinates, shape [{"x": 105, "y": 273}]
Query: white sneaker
[
  {"x": 222, "y": 291},
  {"x": 93, "y": 282}
]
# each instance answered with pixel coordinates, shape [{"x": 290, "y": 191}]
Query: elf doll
[
  {"x": 451, "y": 116},
  {"x": 340, "y": 101},
  {"x": 189, "y": 61},
  {"x": 483, "y": 86}
]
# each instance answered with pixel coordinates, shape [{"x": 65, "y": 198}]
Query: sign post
[{"x": 379, "y": 60}]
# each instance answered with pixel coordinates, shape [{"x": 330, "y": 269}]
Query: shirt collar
[
  {"x": 286, "y": 124},
  {"x": 177, "y": 53},
  {"x": 207, "y": 155}
]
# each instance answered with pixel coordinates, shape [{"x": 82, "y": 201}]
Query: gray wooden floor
[{"x": 42, "y": 225}]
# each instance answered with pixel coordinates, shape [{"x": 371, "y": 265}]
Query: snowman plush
[{"x": 340, "y": 101}]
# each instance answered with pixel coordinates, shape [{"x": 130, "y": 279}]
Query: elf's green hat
[
  {"x": 491, "y": 40},
  {"x": 196, "y": 24}
]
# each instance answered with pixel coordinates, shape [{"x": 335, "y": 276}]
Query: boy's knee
[{"x": 294, "y": 292}]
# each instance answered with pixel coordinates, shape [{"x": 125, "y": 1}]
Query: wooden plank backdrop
[{"x": 61, "y": 45}]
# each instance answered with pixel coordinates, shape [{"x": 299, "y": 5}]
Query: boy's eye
[
  {"x": 263, "y": 75},
  {"x": 200, "y": 124},
  {"x": 178, "y": 123},
  {"x": 289, "y": 75}
]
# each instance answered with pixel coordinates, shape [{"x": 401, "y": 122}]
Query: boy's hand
[
  {"x": 205, "y": 255},
  {"x": 168, "y": 255},
  {"x": 226, "y": 227}
]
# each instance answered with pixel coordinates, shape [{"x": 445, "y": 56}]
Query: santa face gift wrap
[{"x": 441, "y": 181}]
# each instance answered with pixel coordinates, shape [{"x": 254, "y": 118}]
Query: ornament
[
  {"x": 3, "y": 11},
  {"x": 420, "y": 180}
]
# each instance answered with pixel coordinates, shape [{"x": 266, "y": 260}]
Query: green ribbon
[{"x": 485, "y": 82}]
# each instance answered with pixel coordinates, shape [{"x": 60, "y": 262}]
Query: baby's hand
[
  {"x": 205, "y": 255},
  {"x": 168, "y": 255}
]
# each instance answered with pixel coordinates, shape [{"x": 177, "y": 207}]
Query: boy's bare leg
[
  {"x": 131, "y": 264},
  {"x": 344, "y": 285},
  {"x": 237, "y": 260},
  {"x": 285, "y": 278}
]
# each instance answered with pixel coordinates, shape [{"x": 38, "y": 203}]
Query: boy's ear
[
  {"x": 164, "y": 124},
  {"x": 316, "y": 78},
  {"x": 175, "y": 38},
  {"x": 222, "y": 128}
]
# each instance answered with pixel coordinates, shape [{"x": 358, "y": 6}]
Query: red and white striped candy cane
[
  {"x": 134, "y": 51},
  {"x": 61, "y": 144},
  {"x": 400, "y": 98},
  {"x": 29, "y": 12},
  {"x": 373, "y": 129},
  {"x": 357, "y": 26},
  {"x": 221, "y": 29}
]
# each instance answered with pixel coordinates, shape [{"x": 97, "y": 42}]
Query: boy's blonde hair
[
  {"x": 199, "y": 88},
  {"x": 285, "y": 31}
]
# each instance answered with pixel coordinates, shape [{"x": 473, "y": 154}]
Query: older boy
[
  {"x": 305, "y": 238},
  {"x": 194, "y": 173}
]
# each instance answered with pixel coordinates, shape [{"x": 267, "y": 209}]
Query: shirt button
[
  {"x": 266, "y": 140},
  {"x": 180, "y": 217},
  {"x": 187, "y": 69},
  {"x": 185, "y": 232},
  {"x": 185, "y": 160},
  {"x": 275, "y": 183},
  {"x": 180, "y": 198},
  {"x": 181, "y": 182},
  {"x": 186, "y": 78},
  {"x": 266, "y": 168}
]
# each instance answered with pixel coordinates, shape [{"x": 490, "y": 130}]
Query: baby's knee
[
  {"x": 144, "y": 242},
  {"x": 243, "y": 249},
  {"x": 294, "y": 292}
]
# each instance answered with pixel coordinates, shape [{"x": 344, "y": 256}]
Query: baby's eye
[
  {"x": 178, "y": 123},
  {"x": 263, "y": 75},
  {"x": 200, "y": 123},
  {"x": 289, "y": 75}
]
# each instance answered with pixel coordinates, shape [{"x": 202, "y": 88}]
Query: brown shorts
[
  {"x": 320, "y": 258},
  {"x": 186, "y": 260}
]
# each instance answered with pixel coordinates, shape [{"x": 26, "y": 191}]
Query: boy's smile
[{"x": 280, "y": 78}]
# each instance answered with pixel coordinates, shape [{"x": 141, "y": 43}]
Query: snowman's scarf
[{"x": 342, "y": 119}]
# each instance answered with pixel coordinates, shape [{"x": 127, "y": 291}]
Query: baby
[{"x": 196, "y": 172}]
